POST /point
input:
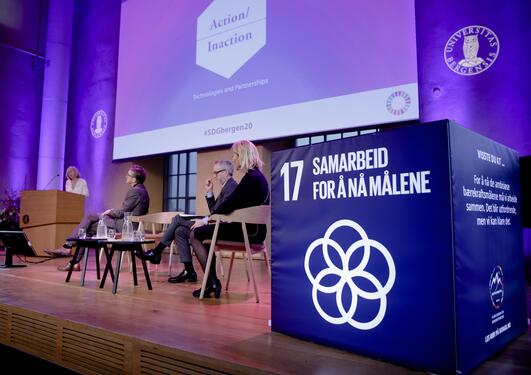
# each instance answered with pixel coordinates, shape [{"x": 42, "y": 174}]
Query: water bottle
[
  {"x": 101, "y": 232},
  {"x": 127, "y": 228}
]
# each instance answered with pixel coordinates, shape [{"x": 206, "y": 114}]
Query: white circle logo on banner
[
  {"x": 471, "y": 50},
  {"x": 346, "y": 276},
  {"x": 98, "y": 123}
]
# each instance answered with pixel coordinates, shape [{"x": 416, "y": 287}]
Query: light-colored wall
[
  {"x": 155, "y": 177},
  {"x": 205, "y": 162},
  {"x": 206, "y": 159},
  {"x": 154, "y": 167},
  {"x": 117, "y": 187}
]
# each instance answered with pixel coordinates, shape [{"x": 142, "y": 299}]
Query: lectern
[{"x": 48, "y": 217}]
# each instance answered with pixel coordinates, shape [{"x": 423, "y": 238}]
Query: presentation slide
[{"x": 203, "y": 73}]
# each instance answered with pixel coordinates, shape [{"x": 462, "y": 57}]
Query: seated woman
[{"x": 252, "y": 190}]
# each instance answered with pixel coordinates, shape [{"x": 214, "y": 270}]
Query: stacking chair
[{"x": 250, "y": 215}]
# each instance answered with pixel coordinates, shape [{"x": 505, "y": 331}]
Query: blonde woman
[
  {"x": 252, "y": 190},
  {"x": 74, "y": 183}
]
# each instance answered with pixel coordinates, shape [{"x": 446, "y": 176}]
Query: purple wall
[
  {"x": 93, "y": 88},
  {"x": 494, "y": 103},
  {"x": 22, "y": 26}
]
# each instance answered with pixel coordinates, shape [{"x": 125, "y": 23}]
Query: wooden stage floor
[{"x": 166, "y": 330}]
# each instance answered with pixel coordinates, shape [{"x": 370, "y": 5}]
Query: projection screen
[{"x": 197, "y": 74}]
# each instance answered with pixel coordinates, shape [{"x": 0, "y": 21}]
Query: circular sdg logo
[
  {"x": 398, "y": 103},
  {"x": 347, "y": 275},
  {"x": 98, "y": 124},
  {"x": 496, "y": 287},
  {"x": 471, "y": 50}
]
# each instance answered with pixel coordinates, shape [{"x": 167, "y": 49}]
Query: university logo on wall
[
  {"x": 471, "y": 50},
  {"x": 339, "y": 267},
  {"x": 98, "y": 124}
]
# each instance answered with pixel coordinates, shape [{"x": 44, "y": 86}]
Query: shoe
[
  {"x": 215, "y": 288},
  {"x": 66, "y": 267},
  {"x": 61, "y": 252},
  {"x": 183, "y": 276},
  {"x": 152, "y": 256}
]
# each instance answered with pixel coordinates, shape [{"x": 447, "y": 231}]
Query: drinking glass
[
  {"x": 111, "y": 234},
  {"x": 81, "y": 233}
]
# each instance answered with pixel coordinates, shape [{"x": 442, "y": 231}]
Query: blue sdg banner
[{"x": 403, "y": 245}]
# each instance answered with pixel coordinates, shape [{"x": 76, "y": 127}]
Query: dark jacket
[
  {"x": 253, "y": 190},
  {"x": 225, "y": 192},
  {"x": 136, "y": 201}
]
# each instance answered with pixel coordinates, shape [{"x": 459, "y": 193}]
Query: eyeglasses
[
  {"x": 130, "y": 175},
  {"x": 217, "y": 172}
]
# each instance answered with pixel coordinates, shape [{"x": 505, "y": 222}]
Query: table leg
[
  {"x": 96, "y": 253},
  {"x": 72, "y": 262},
  {"x": 133, "y": 262},
  {"x": 146, "y": 274},
  {"x": 108, "y": 266},
  {"x": 118, "y": 262},
  {"x": 109, "y": 257},
  {"x": 84, "y": 267}
]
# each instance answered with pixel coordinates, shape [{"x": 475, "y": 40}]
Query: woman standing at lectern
[{"x": 74, "y": 183}]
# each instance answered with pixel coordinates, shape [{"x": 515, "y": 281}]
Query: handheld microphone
[{"x": 49, "y": 182}]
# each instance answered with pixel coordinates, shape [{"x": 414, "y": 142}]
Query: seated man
[
  {"x": 179, "y": 229},
  {"x": 136, "y": 201}
]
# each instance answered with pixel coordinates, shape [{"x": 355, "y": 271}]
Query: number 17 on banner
[{"x": 285, "y": 172}]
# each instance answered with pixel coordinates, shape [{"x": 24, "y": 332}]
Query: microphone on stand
[{"x": 49, "y": 182}]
